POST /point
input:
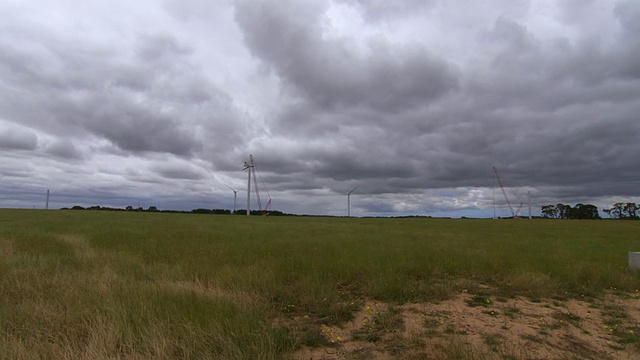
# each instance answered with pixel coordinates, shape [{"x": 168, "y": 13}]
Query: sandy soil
[{"x": 476, "y": 327}]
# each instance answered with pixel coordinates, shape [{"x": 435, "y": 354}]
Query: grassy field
[{"x": 96, "y": 284}]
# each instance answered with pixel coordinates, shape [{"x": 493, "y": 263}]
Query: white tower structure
[
  {"x": 249, "y": 165},
  {"x": 349, "y": 201}
]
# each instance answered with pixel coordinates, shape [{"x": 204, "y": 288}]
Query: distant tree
[
  {"x": 564, "y": 211},
  {"x": 624, "y": 211},
  {"x": 129, "y": 208},
  {"x": 588, "y": 211},
  {"x": 615, "y": 211},
  {"x": 152, "y": 209},
  {"x": 549, "y": 211},
  {"x": 631, "y": 210},
  {"x": 210, "y": 211}
]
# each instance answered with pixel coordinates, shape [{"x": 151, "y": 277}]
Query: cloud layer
[{"x": 414, "y": 103}]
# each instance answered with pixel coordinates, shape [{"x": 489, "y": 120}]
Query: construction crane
[{"x": 514, "y": 213}]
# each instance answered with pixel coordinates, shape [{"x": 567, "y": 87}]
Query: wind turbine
[
  {"x": 349, "y": 201},
  {"x": 249, "y": 165},
  {"x": 235, "y": 197}
]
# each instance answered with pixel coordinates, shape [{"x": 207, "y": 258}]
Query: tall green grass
[{"x": 79, "y": 284}]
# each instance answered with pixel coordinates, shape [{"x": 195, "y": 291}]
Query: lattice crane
[{"x": 516, "y": 212}]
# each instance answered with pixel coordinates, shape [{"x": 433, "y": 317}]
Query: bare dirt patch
[{"x": 485, "y": 327}]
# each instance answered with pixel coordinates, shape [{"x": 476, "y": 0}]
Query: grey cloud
[
  {"x": 560, "y": 72},
  {"x": 15, "y": 168},
  {"x": 136, "y": 129},
  {"x": 140, "y": 107},
  {"x": 514, "y": 36},
  {"x": 178, "y": 170},
  {"x": 17, "y": 139},
  {"x": 363, "y": 167},
  {"x": 379, "y": 10},
  {"x": 161, "y": 48},
  {"x": 65, "y": 149},
  {"x": 628, "y": 12}
]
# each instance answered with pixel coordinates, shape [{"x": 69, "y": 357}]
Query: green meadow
[{"x": 129, "y": 285}]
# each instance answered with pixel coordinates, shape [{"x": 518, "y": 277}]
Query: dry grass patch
[
  {"x": 7, "y": 249},
  {"x": 207, "y": 290},
  {"x": 80, "y": 245}
]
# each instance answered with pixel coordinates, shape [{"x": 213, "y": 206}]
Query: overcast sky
[{"x": 159, "y": 103}]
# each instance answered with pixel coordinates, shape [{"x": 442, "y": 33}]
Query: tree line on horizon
[
  {"x": 622, "y": 211},
  {"x": 194, "y": 211}
]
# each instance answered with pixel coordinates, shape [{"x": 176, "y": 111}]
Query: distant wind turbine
[
  {"x": 235, "y": 197},
  {"x": 349, "y": 201}
]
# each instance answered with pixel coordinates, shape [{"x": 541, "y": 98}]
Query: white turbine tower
[
  {"x": 235, "y": 198},
  {"x": 249, "y": 165},
  {"x": 349, "y": 201}
]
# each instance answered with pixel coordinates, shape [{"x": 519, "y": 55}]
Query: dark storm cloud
[
  {"x": 361, "y": 102},
  {"x": 134, "y": 128},
  {"x": 544, "y": 110},
  {"x": 140, "y": 104},
  {"x": 330, "y": 73},
  {"x": 411, "y": 101}
]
